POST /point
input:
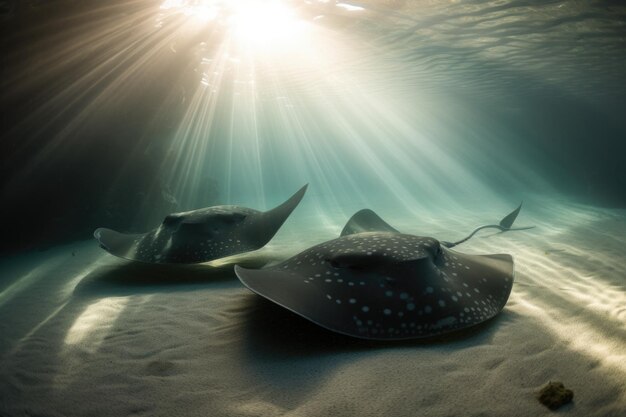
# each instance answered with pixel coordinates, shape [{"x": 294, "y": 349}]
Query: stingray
[
  {"x": 200, "y": 235},
  {"x": 374, "y": 282}
]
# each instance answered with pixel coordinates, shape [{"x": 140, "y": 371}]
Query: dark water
[{"x": 116, "y": 113}]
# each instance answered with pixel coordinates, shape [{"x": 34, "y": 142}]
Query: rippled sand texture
[{"x": 93, "y": 335}]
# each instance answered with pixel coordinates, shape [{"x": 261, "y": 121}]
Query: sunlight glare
[
  {"x": 202, "y": 11},
  {"x": 259, "y": 23},
  {"x": 262, "y": 23},
  {"x": 350, "y": 7}
]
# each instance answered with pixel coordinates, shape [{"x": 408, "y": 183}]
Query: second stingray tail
[{"x": 505, "y": 225}]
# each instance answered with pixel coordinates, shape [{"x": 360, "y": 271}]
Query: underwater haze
[
  {"x": 118, "y": 113},
  {"x": 120, "y": 118}
]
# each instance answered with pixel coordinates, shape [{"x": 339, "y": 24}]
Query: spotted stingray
[
  {"x": 374, "y": 282},
  {"x": 200, "y": 235}
]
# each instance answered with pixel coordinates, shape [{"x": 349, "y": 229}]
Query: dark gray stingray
[
  {"x": 200, "y": 235},
  {"x": 374, "y": 282}
]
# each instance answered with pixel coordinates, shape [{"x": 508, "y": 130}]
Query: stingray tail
[{"x": 505, "y": 225}]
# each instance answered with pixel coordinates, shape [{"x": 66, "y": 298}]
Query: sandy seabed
[{"x": 83, "y": 333}]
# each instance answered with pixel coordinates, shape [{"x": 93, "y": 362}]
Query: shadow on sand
[
  {"x": 130, "y": 277},
  {"x": 285, "y": 350}
]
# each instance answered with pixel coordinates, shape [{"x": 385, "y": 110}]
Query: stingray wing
[
  {"x": 508, "y": 220},
  {"x": 118, "y": 244},
  {"x": 366, "y": 221}
]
